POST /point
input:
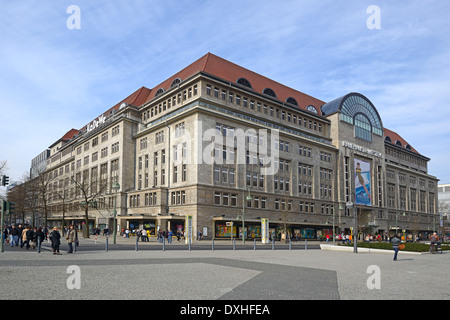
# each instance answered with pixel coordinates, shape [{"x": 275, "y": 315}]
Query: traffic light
[
  {"x": 5, "y": 180},
  {"x": 11, "y": 207}
]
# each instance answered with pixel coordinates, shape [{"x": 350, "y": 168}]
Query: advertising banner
[
  {"x": 265, "y": 230},
  {"x": 362, "y": 182},
  {"x": 189, "y": 230}
]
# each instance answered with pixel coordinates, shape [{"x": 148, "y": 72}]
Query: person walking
[
  {"x": 5, "y": 234},
  {"x": 395, "y": 243},
  {"x": 71, "y": 238},
  {"x": 27, "y": 236},
  {"x": 39, "y": 236},
  {"x": 55, "y": 238},
  {"x": 14, "y": 236}
]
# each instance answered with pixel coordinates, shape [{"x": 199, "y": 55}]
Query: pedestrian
[
  {"x": 5, "y": 234},
  {"x": 27, "y": 235},
  {"x": 14, "y": 236},
  {"x": 39, "y": 236},
  {"x": 55, "y": 238},
  {"x": 20, "y": 229},
  {"x": 169, "y": 236},
  {"x": 71, "y": 238},
  {"x": 33, "y": 239},
  {"x": 395, "y": 243}
]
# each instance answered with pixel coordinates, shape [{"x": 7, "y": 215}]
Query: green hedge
[{"x": 409, "y": 246}]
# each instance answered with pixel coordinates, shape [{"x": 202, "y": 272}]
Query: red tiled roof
[
  {"x": 396, "y": 137},
  {"x": 137, "y": 98},
  {"x": 231, "y": 72},
  {"x": 69, "y": 135}
]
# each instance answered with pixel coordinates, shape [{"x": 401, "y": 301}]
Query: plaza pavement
[{"x": 254, "y": 275}]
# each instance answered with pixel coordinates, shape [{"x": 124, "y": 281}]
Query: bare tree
[
  {"x": 2, "y": 166},
  {"x": 43, "y": 181},
  {"x": 89, "y": 187}
]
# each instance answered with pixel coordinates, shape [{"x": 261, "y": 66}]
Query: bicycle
[{"x": 435, "y": 248}]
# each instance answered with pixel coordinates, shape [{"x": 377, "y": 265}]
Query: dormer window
[
  {"x": 292, "y": 101},
  {"x": 159, "y": 92},
  {"x": 269, "y": 92},
  {"x": 175, "y": 82},
  {"x": 244, "y": 82}
]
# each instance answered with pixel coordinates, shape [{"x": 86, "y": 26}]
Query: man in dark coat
[{"x": 55, "y": 238}]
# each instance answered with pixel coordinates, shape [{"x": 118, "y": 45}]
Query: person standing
[
  {"x": 395, "y": 243},
  {"x": 169, "y": 236},
  {"x": 20, "y": 229},
  {"x": 71, "y": 238},
  {"x": 55, "y": 238}
]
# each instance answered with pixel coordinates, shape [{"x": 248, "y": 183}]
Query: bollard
[
  {"x": 189, "y": 241},
  {"x": 290, "y": 244},
  {"x": 106, "y": 245},
  {"x": 273, "y": 244},
  {"x": 164, "y": 244},
  {"x": 234, "y": 244},
  {"x": 306, "y": 244},
  {"x": 39, "y": 245},
  {"x": 213, "y": 244},
  {"x": 254, "y": 244},
  {"x": 136, "y": 246}
]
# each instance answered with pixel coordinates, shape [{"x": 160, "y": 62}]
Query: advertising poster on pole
[
  {"x": 188, "y": 234},
  {"x": 362, "y": 182},
  {"x": 265, "y": 230}
]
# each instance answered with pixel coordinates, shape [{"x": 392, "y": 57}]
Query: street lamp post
[
  {"x": 116, "y": 187},
  {"x": 350, "y": 205},
  {"x": 249, "y": 197}
]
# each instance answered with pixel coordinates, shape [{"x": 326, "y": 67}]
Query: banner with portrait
[{"x": 362, "y": 183}]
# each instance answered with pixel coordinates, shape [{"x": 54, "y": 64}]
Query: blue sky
[{"x": 54, "y": 79}]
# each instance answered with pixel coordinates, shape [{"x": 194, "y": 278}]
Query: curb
[{"x": 330, "y": 247}]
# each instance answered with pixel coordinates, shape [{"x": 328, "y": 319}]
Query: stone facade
[{"x": 169, "y": 157}]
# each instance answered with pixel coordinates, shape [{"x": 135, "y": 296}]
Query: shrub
[{"x": 409, "y": 246}]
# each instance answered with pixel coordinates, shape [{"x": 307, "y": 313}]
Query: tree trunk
[{"x": 86, "y": 221}]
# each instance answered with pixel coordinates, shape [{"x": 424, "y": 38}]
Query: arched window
[
  {"x": 350, "y": 105},
  {"x": 292, "y": 101},
  {"x": 363, "y": 127},
  {"x": 311, "y": 108},
  {"x": 244, "y": 82},
  {"x": 160, "y": 91},
  {"x": 408, "y": 147},
  {"x": 269, "y": 92},
  {"x": 175, "y": 82},
  {"x": 388, "y": 139},
  {"x": 399, "y": 143}
]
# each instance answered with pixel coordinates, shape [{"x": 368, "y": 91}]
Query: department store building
[{"x": 224, "y": 148}]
